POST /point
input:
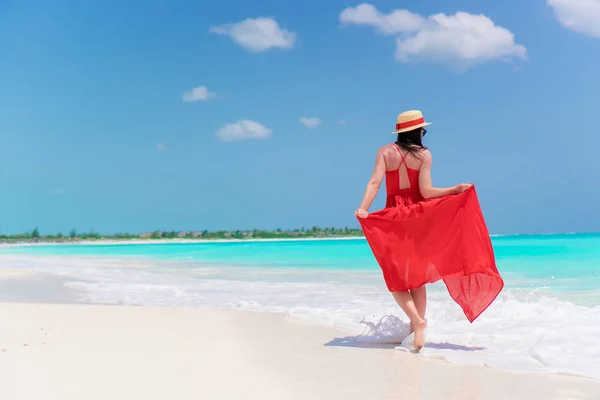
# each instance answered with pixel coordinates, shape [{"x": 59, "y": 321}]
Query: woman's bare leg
[
  {"x": 406, "y": 302},
  {"x": 420, "y": 298}
]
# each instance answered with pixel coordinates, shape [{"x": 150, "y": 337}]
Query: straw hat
[{"x": 409, "y": 120}]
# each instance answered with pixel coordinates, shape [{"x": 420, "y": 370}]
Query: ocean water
[{"x": 547, "y": 319}]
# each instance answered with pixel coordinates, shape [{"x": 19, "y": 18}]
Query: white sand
[{"x": 77, "y": 352}]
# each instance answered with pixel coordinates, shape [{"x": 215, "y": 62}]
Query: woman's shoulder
[
  {"x": 387, "y": 148},
  {"x": 425, "y": 156},
  {"x": 425, "y": 153}
]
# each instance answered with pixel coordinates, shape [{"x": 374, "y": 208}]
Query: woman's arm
[
  {"x": 373, "y": 185},
  {"x": 428, "y": 191}
]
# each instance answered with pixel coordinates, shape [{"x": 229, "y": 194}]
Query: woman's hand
[
  {"x": 463, "y": 187},
  {"x": 361, "y": 213}
]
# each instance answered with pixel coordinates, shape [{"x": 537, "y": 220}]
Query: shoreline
[
  {"x": 66, "y": 286},
  {"x": 267, "y": 355},
  {"x": 350, "y": 335}
]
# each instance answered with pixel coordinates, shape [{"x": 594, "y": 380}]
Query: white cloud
[
  {"x": 459, "y": 39},
  {"x": 398, "y": 21},
  {"x": 311, "y": 122},
  {"x": 341, "y": 122},
  {"x": 200, "y": 93},
  {"x": 462, "y": 37},
  {"x": 243, "y": 130},
  {"x": 161, "y": 146},
  {"x": 581, "y": 16},
  {"x": 257, "y": 35}
]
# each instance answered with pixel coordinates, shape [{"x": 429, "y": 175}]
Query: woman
[{"x": 426, "y": 233}]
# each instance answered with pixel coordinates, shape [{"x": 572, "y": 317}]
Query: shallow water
[{"x": 547, "y": 319}]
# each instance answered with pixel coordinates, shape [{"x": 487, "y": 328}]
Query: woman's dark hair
[{"x": 411, "y": 141}]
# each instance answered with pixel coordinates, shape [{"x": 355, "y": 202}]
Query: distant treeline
[{"x": 315, "y": 232}]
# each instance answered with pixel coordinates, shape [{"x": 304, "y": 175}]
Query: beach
[
  {"x": 288, "y": 319},
  {"x": 59, "y": 351}
]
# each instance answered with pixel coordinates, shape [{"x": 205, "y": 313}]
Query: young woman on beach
[{"x": 426, "y": 233}]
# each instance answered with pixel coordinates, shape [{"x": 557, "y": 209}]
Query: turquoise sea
[
  {"x": 567, "y": 263},
  {"x": 548, "y": 312}
]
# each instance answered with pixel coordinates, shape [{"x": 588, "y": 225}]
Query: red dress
[{"x": 418, "y": 241}]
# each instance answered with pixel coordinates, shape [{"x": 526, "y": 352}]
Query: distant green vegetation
[{"x": 74, "y": 236}]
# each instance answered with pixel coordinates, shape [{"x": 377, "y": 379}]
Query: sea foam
[{"x": 526, "y": 331}]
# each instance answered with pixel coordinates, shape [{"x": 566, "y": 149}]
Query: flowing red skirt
[{"x": 446, "y": 238}]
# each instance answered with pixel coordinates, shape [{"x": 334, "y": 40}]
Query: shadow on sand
[
  {"x": 388, "y": 333},
  {"x": 351, "y": 341}
]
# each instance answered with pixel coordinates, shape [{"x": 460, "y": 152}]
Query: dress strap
[{"x": 403, "y": 156}]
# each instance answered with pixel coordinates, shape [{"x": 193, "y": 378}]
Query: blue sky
[{"x": 142, "y": 115}]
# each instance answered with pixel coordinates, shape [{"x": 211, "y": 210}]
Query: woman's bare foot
[{"x": 419, "y": 327}]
